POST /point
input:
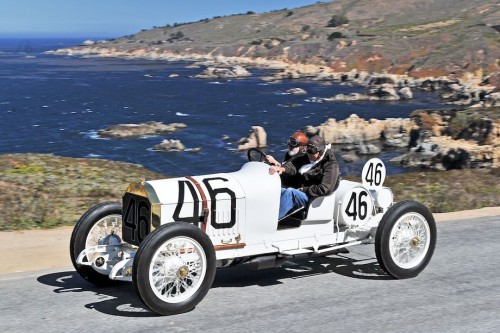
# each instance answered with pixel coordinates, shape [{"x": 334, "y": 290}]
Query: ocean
[{"x": 55, "y": 105}]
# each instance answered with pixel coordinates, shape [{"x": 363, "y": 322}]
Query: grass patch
[{"x": 45, "y": 191}]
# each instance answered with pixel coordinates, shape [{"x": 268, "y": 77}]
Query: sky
[{"x": 116, "y": 18}]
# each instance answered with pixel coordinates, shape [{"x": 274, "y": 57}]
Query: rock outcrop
[
  {"x": 257, "y": 138},
  {"x": 224, "y": 73},
  {"x": 355, "y": 129},
  {"x": 169, "y": 145},
  {"x": 124, "y": 131},
  {"x": 297, "y": 91},
  {"x": 449, "y": 139}
]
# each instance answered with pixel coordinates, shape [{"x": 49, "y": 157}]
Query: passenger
[
  {"x": 296, "y": 148},
  {"x": 318, "y": 174}
]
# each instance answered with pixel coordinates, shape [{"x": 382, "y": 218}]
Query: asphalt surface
[{"x": 458, "y": 292}]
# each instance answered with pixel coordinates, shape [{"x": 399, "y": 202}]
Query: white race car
[{"x": 168, "y": 236}]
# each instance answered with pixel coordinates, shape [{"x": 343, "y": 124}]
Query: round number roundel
[
  {"x": 373, "y": 174},
  {"x": 357, "y": 206}
]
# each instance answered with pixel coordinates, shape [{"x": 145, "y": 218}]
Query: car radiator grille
[{"x": 136, "y": 218}]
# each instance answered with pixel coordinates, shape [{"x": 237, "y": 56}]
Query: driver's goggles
[
  {"x": 311, "y": 149},
  {"x": 293, "y": 142}
]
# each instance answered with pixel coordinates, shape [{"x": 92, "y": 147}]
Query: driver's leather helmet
[{"x": 298, "y": 139}]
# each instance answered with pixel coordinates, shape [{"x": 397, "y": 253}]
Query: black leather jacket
[
  {"x": 322, "y": 179},
  {"x": 292, "y": 180}
]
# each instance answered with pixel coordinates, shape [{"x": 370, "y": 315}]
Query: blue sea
[{"x": 56, "y": 104}]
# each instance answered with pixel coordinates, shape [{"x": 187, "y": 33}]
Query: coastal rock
[
  {"x": 398, "y": 140},
  {"x": 257, "y": 138},
  {"x": 223, "y": 73},
  {"x": 492, "y": 99},
  {"x": 450, "y": 139},
  {"x": 169, "y": 145},
  {"x": 385, "y": 92},
  {"x": 405, "y": 93},
  {"x": 367, "y": 149},
  {"x": 296, "y": 91},
  {"x": 355, "y": 129},
  {"x": 350, "y": 157},
  {"x": 124, "y": 131},
  {"x": 445, "y": 153}
]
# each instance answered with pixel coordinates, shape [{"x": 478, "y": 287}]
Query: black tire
[
  {"x": 420, "y": 247},
  {"x": 146, "y": 254},
  {"x": 79, "y": 238}
]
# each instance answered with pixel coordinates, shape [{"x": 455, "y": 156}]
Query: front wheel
[
  {"x": 174, "y": 268},
  {"x": 405, "y": 239}
]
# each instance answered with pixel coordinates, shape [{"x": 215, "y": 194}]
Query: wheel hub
[
  {"x": 415, "y": 242},
  {"x": 182, "y": 272}
]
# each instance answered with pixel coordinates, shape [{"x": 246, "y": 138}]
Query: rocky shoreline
[
  {"x": 471, "y": 90},
  {"x": 427, "y": 147}
]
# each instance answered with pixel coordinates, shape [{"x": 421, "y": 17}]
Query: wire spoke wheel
[
  {"x": 174, "y": 268},
  {"x": 177, "y": 269},
  {"x": 409, "y": 240},
  {"x": 405, "y": 239}
]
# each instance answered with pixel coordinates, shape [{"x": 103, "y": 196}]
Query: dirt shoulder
[{"x": 32, "y": 250}]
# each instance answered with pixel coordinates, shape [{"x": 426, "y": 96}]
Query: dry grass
[{"x": 43, "y": 191}]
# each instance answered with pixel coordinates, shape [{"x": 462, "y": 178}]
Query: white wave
[
  {"x": 93, "y": 135},
  {"x": 35, "y": 125},
  {"x": 4, "y": 103},
  {"x": 93, "y": 155},
  {"x": 180, "y": 114},
  {"x": 45, "y": 106},
  {"x": 236, "y": 115},
  {"x": 314, "y": 100},
  {"x": 215, "y": 82}
]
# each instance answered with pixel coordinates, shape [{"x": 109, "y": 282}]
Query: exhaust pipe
[{"x": 264, "y": 262}]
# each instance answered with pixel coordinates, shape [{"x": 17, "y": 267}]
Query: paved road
[{"x": 458, "y": 292}]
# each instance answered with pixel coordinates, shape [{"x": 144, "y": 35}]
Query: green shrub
[
  {"x": 335, "y": 35},
  {"x": 337, "y": 20}
]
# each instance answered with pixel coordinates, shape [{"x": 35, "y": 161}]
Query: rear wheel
[
  {"x": 102, "y": 223},
  {"x": 174, "y": 268},
  {"x": 405, "y": 239}
]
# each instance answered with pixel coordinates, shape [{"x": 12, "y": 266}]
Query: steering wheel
[{"x": 258, "y": 155}]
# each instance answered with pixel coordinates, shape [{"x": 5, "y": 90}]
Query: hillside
[{"x": 421, "y": 38}]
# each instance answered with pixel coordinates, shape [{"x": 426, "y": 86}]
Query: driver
[
  {"x": 296, "y": 148},
  {"x": 318, "y": 175}
]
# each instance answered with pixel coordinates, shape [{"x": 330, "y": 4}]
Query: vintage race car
[{"x": 169, "y": 236}]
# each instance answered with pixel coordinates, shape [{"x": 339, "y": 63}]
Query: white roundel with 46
[{"x": 357, "y": 203}]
